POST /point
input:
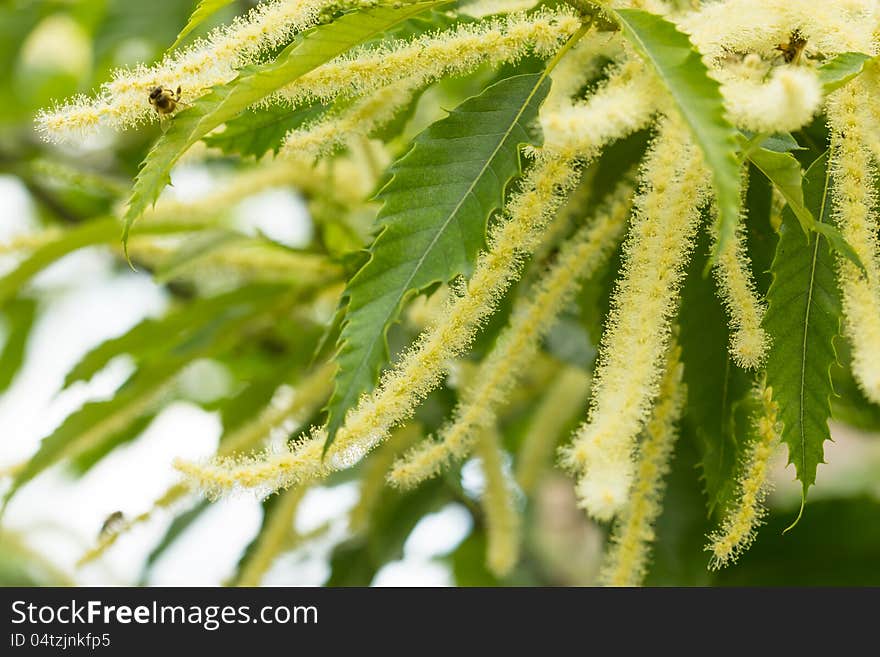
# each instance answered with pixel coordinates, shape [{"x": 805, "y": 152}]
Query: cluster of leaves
[{"x": 450, "y": 178}]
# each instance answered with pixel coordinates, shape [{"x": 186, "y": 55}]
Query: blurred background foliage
[{"x": 228, "y": 347}]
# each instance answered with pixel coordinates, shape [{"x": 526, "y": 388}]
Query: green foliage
[
  {"x": 433, "y": 221},
  {"x": 256, "y": 131},
  {"x": 836, "y": 72},
  {"x": 204, "y": 10},
  {"x": 252, "y": 85},
  {"x": 19, "y": 316},
  {"x": 249, "y": 323},
  {"x": 803, "y": 319},
  {"x": 697, "y": 97}
]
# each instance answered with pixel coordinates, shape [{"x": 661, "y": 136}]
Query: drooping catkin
[
  {"x": 637, "y": 333},
  {"x": 366, "y": 115},
  {"x": 857, "y": 216},
  {"x": 428, "y": 57},
  {"x": 420, "y": 369},
  {"x": 499, "y": 506},
  {"x": 741, "y": 520},
  {"x": 518, "y": 344},
  {"x": 749, "y": 341},
  {"x": 123, "y": 102},
  {"x": 627, "y": 560}
]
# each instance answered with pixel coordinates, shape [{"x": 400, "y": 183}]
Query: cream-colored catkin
[
  {"x": 661, "y": 237},
  {"x": 857, "y": 216},
  {"x": 518, "y": 344},
  {"x": 123, "y": 102},
  {"x": 372, "y": 481},
  {"x": 277, "y": 535},
  {"x": 563, "y": 401},
  {"x": 624, "y": 104},
  {"x": 420, "y": 369},
  {"x": 499, "y": 506},
  {"x": 785, "y": 102},
  {"x": 741, "y": 520},
  {"x": 366, "y": 115},
  {"x": 749, "y": 341},
  {"x": 284, "y": 408},
  {"x": 429, "y": 57},
  {"x": 626, "y": 562},
  {"x": 760, "y": 26}
]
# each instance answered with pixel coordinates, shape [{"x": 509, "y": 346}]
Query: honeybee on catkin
[{"x": 165, "y": 101}]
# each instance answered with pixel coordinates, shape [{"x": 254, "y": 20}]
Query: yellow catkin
[
  {"x": 518, "y": 344},
  {"x": 637, "y": 332},
  {"x": 277, "y": 534},
  {"x": 429, "y": 57},
  {"x": 738, "y": 528},
  {"x": 564, "y": 400},
  {"x": 372, "y": 481},
  {"x": 365, "y": 116},
  {"x": 421, "y": 368},
  {"x": 785, "y": 102},
  {"x": 283, "y": 409},
  {"x": 856, "y": 215},
  {"x": 499, "y": 506},
  {"x": 627, "y": 559},
  {"x": 759, "y": 26},
  {"x": 749, "y": 342},
  {"x": 123, "y": 102},
  {"x": 621, "y": 106}
]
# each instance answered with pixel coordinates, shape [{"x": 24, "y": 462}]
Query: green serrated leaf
[
  {"x": 839, "y": 70},
  {"x": 785, "y": 172},
  {"x": 20, "y": 314},
  {"x": 204, "y": 10},
  {"x": 260, "y": 130},
  {"x": 698, "y": 98},
  {"x": 254, "y": 83},
  {"x": 433, "y": 221},
  {"x": 803, "y": 318}
]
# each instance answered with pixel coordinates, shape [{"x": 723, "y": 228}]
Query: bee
[
  {"x": 112, "y": 524},
  {"x": 792, "y": 51},
  {"x": 165, "y": 101}
]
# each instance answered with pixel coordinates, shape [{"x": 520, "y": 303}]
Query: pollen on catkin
[
  {"x": 749, "y": 342},
  {"x": 499, "y": 506},
  {"x": 518, "y": 344},
  {"x": 622, "y": 105},
  {"x": 420, "y": 369},
  {"x": 856, "y": 215},
  {"x": 626, "y": 562},
  {"x": 365, "y": 116},
  {"x": 666, "y": 216},
  {"x": 426, "y": 58},
  {"x": 786, "y": 102},
  {"x": 741, "y": 520},
  {"x": 122, "y": 102}
]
